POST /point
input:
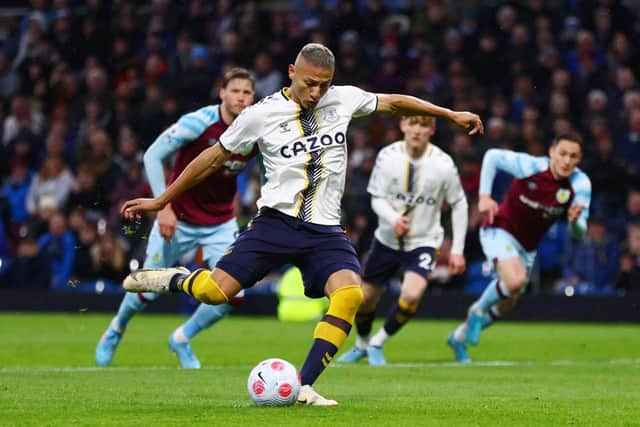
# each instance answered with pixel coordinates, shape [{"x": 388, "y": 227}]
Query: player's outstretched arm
[
  {"x": 207, "y": 162},
  {"x": 578, "y": 213},
  {"x": 410, "y": 105}
]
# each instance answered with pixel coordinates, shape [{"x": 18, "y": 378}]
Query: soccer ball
[{"x": 273, "y": 382}]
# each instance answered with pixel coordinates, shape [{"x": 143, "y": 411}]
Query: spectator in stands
[
  {"x": 608, "y": 177},
  {"x": 9, "y": 79},
  {"x": 96, "y": 116},
  {"x": 128, "y": 153},
  {"x": 622, "y": 53},
  {"x": 179, "y": 60},
  {"x": 633, "y": 206},
  {"x": 15, "y": 191},
  {"x": 22, "y": 117},
  {"x": 99, "y": 157},
  {"x": 29, "y": 270},
  {"x": 87, "y": 194},
  {"x": 23, "y": 148},
  {"x": 130, "y": 185},
  {"x": 628, "y": 145},
  {"x": 197, "y": 81},
  {"x": 58, "y": 245},
  {"x": 108, "y": 258},
  {"x": 592, "y": 265},
  {"x": 53, "y": 181},
  {"x": 267, "y": 79},
  {"x": 629, "y": 277},
  {"x": 86, "y": 238},
  {"x": 55, "y": 147}
]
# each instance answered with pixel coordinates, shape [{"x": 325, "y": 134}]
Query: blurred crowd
[{"x": 86, "y": 86}]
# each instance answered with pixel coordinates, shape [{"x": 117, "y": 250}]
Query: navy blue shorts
[
  {"x": 274, "y": 239},
  {"x": 383, "y": 262}
]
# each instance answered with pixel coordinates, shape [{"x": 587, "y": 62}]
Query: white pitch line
[
  {"x": 494, "y": 363},
  {"x": 109, "y": 369}
]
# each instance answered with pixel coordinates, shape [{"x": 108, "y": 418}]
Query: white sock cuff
[
  {"x": 379, "y": 338},
  {"x": 179, "y": 335},
  {"x": 362, "y": 342}
]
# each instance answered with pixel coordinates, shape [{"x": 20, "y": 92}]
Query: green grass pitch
[{"x": 523, "y": 374}]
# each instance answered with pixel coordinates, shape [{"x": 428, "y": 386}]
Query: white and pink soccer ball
[{"x": 273, "y": 382}]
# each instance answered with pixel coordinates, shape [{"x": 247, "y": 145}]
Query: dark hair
[
  {"x": 568, "y": 136},
  {"x": 237, "y": 73}
]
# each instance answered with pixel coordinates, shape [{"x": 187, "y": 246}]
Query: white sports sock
[
  {"x": 379, "y": 338},
  {"x": 460, "y": 334},
  {"x": 475, "y": 307},
  {"x": 179, "y": 336},
  {"x": 116, "y": 327},
  {"x": 362, "y": 342}
]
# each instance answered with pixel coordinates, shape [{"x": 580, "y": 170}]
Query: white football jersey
[
  {"x": 415, "y": 188},
  {"x": 304, "y": 152}
]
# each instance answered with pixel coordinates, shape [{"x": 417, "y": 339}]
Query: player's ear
[
  {"x": 403, "y": 123},
  {"x": 292, "y": 71},
  {"x": 221, "y": 93}
]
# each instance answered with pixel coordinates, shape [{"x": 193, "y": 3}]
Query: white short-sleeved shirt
[
  {"x": 304, "y": 152},
  {"x": 415, "y": 188}
]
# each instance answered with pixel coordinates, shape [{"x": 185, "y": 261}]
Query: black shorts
[
  {"x": 383, "y": 262},
  {"x": 274, "y": 239}
]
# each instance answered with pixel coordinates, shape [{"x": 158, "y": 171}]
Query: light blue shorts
[
  {"x": 214, "y": 239},
  {"x": 499, "y": 244}
]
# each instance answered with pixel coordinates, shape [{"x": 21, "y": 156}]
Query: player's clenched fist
[{"x": 401, "y": 227}]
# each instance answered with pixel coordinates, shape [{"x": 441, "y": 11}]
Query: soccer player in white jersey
[
  {"x": 409, "y": 183},
  {"x": 301, "y": 134},
  {"x": 545, "y": 189},
  {"x": 203, "y": 216}
]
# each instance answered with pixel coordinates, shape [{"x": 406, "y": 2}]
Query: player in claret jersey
[
  {"x": 545, "y": 190},
  {"x": 203, "y": 216},
  {"x": 301, "y": 133}
]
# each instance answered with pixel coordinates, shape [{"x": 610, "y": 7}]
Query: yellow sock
[
  {"x": 200, "y": 285},
  {"x": 343, "y": 306}
]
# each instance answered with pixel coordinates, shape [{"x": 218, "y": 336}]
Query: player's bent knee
[
  {"x": 410, "y": 298},
  {"x": 516, "y": 284},
  {"x": 201, "y": 286},
  {"x": 345, "y": 301},
  {"x": 408, "y": 305},
  {"x": 336, "y": 324}
]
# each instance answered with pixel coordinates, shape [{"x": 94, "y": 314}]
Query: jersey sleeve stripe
[
  {"x": 199, "y": 122},
  {"x": 521, "y": 169},
  {"x": 211, "y": 113},
  {"x": 191, "y": 126}
]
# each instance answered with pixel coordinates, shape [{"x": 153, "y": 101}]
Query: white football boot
[
  {"x": 151, "y": 279},
  {"x": 308, "y": 396}
]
